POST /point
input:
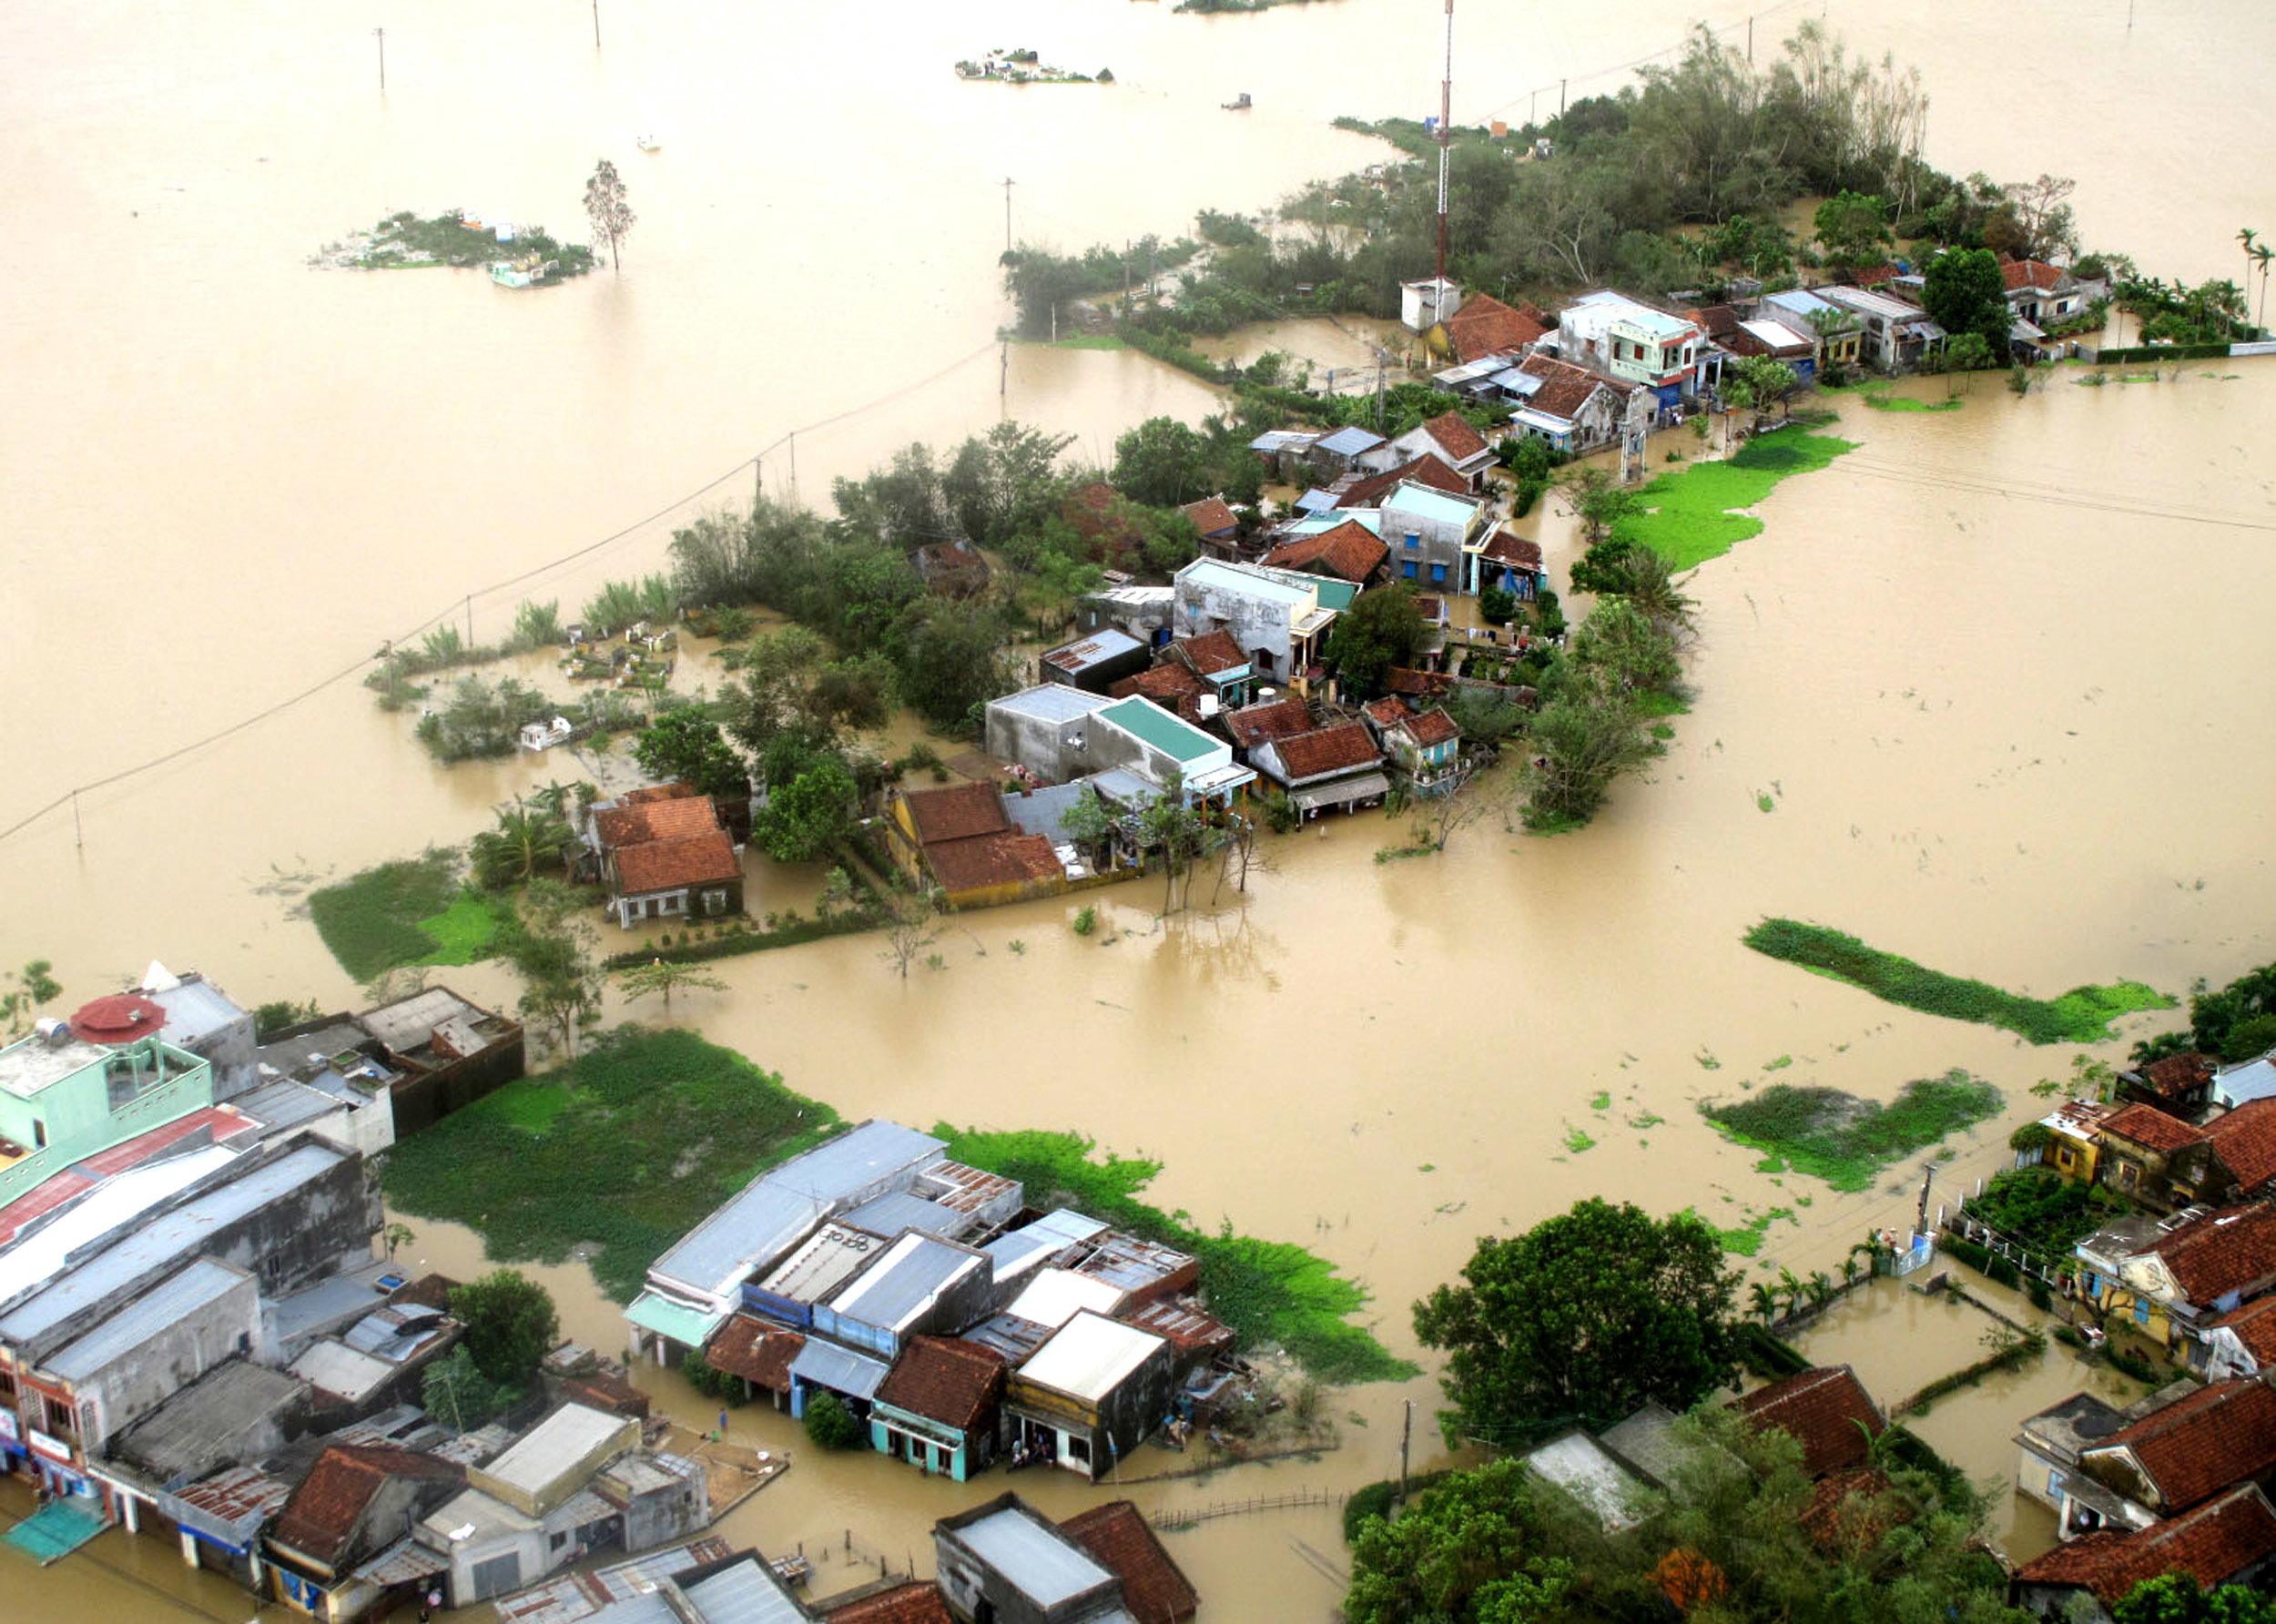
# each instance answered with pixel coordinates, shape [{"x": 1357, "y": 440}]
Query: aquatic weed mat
[
  {"x": 1846, "y": 1140},
  {"x": 1268, "y": 1291},
  {"x": 1692, "y": 515},
  {"x": 412, "y": 911},
  {"x": 2082, "y": 1015}
]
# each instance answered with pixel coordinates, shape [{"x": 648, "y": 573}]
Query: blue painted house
[{"x": 937, "y": 1410}]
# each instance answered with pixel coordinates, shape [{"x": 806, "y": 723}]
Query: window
[
  {"x": 1262, "y": 659},
  {"x": 58, "y": 1418},
  {"x": 1411, "y": 569},
  {"x": 1437, "y": 574},
  {"x": 2141, "y": 1311},
  {"x": 2062, "y": 1158},
  {"x": 715, "y": 903},
  {"x": 1078, "y": 1448},
  {"x": 39, "y": 1135},
  {"x": 1413, "y": 540}
]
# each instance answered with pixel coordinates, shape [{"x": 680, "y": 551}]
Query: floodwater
[{"x": 1993, "y": 669}]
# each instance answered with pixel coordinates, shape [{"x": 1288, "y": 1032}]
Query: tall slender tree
[{"x": 606, "y": 208}]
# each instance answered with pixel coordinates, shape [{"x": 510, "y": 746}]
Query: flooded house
[
  {"x": 1639, "y": 344},
  {"x": 664, "y": 857},
  {"x": 938, "y": 1407},
  {"x": 1346, "y": 550},
  {"x": 2139, "y": 1145},
  {"x": 2050, "y": 1443},
  {"x": 1484, "y": 326},
  {"x": 2227, "y": 1541},
  {"x": 1450, "y": 440},
  {"x": 1897, "y": 333},
  {"x": 1004, "y": 1562},
  {"x": 1424, "y": 748},
  {"x": 1277, "y": 619},
  {"x": 2169, "y": 1280},
  {"x": 446, "y": 1051},
  {"x": 1337, "y": 766},
  {"x": 1094, "y": 662},
  {"x": 958, "y": 840},
  {"x": 357, "y": 1504},
  {"x": 1089, "y": 1395},
  {"x": 1219, "y": 525},
  {"x": 2180, "y": 1084},
  {"x": 1827, "y": 1411}
]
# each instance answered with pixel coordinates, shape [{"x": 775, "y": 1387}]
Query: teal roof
[
  {"x": 1367, "y": 519},
  {"x": 1411, "y": 498},
  {"x": 1150, "y": 724},
  {"x": 690, "y": 1328},
  {"x": 1337, "y": 594}
]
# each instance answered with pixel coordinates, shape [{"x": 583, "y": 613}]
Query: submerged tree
[
  {"x": 605, "y": 206},
  {"x": 666, "y": 976}
]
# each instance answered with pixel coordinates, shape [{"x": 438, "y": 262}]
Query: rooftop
[
  {"x": 1151, "y": 726},
  {"x": 1056, "y": 1295},
  {"x": 667, "y": 864},
  {"x": 955, "y": 812},
  {"x": 1155, "y": 1589},
  {"x": 1089, "y": 1356},
  {"x": 553, "y": 1447},
  {"x": 1008, "y": 858},
  {"x": 2193, "y": 1449},
  {"x": 2245, "y": 1141},
  {"x": 1050, "y": 702},
  {"x": 1086, "y": 652},
  {"x": 1429, "y": 504},
  {"x": 31, "y": 1064},
  {"x": 821, "y": 1264},
  {"x": 896, "y": 1289},
  {"x": 1211, "y": 516},
  {"x": 1043, "y": 1564},
  {"x": 2148, "y": 1126},
  {"x": 321, "y": 1518},
  {"x": 2213, "y": 1544},
  {"x": 201, "y": 1427},
  {"x": 1216, "y": 574},
  {"x": 1348, "y": 550},
  {"x": 1827, "y": 1411},
  {"x": 944, "y": 1379},
  {"x": 1591, "y": 1474},
  {"x": 1276, "y": 718},
  {"x": 155, "y": 1312},
  {"x": 1350, "y": 441},
  {"x": 2223, "y": 1252},
  {"x": 408, "y": 1024},
  {"x": 759, "y": 1352},
  {"x": 1339, "y": 749}
]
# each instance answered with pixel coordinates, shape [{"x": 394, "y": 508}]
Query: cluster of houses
[
  {"x": 197, "y": 1339},
  {"x": 2190, "y": 1266},
  {"x": 957, "y": 1324}
]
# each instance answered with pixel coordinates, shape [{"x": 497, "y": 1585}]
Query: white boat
[{"x": 647, "y": 143}]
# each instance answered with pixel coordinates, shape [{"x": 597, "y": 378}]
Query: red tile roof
[
  {"x": 2195, "y": 1448},
  {"x": 1210, "y": 652},
  {"x": 2223, "y": 1252},
  {"x": 1418, "y": 684},
  {"x": 2213, "y": 1544},
  {"x": 1717, "y": 321},
  {"x": 2254, "y": 1325},
  {"x": 1154, "y": 1588},
  {"x": 956, "y": 812},
  {"x": 1425, "y": 470},
  {"x": 2245, "y": 1141},
  {"x": 1389, "y": 711},
  {"x": 945, "y": 1379},
  {"x": 1505, "y": 546},
  {"x": 676, "y": 790},
  {"x": 1828, "y": 1412},
  {"x": 1433, "y": 727},
  {"x": 667, "y": 864},
  {"x": 914, "y": 1601},
  {"x": 985, "y": 860},
  {"x": 1350, "y": 551},
  {"x": 1565, "y": 388},
  {"x": 1484, "y": 325},
  {"x": 1169, "y": 685},
  {"x": 2029, "y": 273},
  {"x": 679, "y": 818},
  {"x": 319, "y": 1519},
  {"x": 1836, "y": 1523},
  {"x": 759, "y": 1352},
  {"x": 1343, "y": 748},
  {"x": 1211, "y": 516},
  {"x": 2176, "y": 1075},
  {"x": 2152, "y": 1129},
  {"x": 1281, "y": 718},
  {"x": 1455, "y": 436}
]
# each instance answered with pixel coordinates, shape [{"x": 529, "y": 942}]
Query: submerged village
[{"x": 1100, "y": 696}]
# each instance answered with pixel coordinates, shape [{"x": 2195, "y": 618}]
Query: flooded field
[{"x": 1967, "y": 665}]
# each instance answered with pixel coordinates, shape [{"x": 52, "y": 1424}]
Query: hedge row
[
  {"x": 2134, "y": 352},
  {"x": 2031, "y": 1345}
]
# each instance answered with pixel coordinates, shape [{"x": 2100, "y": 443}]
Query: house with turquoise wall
[
  {"x": 63, "y": 1099},
  {"x": 937, "y": 1410}
]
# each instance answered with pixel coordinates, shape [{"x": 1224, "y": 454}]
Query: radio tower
[{"x": 1446, "y": 132}]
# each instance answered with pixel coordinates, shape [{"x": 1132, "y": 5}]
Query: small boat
[
  {"x": 648, "y": 143},
  {"x": 1239, "y": 104}
]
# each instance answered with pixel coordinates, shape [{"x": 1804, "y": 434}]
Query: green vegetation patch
[
  {"x": 626, "y": 1148},
  {"x": 2082, "y": 1015},
  {"x": 1268, "y": 1291},
  {"x": 1693, "y": 516},
  {"x": 1887, "y": 402},
  {"x": 1844, "y": 1139},
  {"x": 414, "y": 911},
  {"x": 2045, "y": 1213}
]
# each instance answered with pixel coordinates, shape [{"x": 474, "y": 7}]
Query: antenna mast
[{"x": 1446, "y": 117}]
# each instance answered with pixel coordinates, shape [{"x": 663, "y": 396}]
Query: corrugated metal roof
[
  {"x": 1010, "y": 1336},
  {"x": 285, "y": 1104},
  {"x": 840, "y": 1369},
  {"x": 1054, "y": 1232},
  {"x": 898, "y": 1210},
  {"x": 895, "y": 1290},
  {"x": 1151, "y": 724},
  {"x": 170, "y": 1236},
  {"x": 203, "y": 1283},
  {"x": 825, "y": 1261},
  {"x": 1056, "y": 1295},
  {"x": 1050, "y": 701},
  {"x": 690, "y": 1328},
  {"x": 120, "y": 1200},
  {"x": 1351, "y": 440},
  {"x": 555, "y": 1444},
  {"x": 746, "y": 1593},
  {"x": 338, "y": 1368},
  {"x": 1089, "y": 1356},
  {"x": 1083, "y": 653},
  {"x": 410, "y": 1023},
  {"x": 1045, "y": 1566},
  {"x": 1247, "y": 581}
]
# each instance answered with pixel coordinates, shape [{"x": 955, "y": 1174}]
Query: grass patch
[
  {"x": 1888, "y": 402},
  {"x": 628, "y": 1148},
  {"x": 1081, "y": 341},
  {"x": 1844, "y": 1139},
  {"x": 1693, "y": 514},
  {"x": 1747, "y": 1239},
  {"x": 2045, "y": 1213},
  {"x": 2082, "y": 1015},
  {"x": 1577, "y": 1140},
  {"x": 1600, "y": 1100},
  {"x": 414, "y": 911},
  {"x": 1268, "y": 1291}
]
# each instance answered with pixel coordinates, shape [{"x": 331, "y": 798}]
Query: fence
[
  {"x": 2030, "y": 1265},
  {"x": 1192, "y": 1516}
]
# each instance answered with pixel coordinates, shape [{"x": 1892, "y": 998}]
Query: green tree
[
  {"x": 2176, "y": 1598},
  {"x": 829, "y": 1425},
  {"x": 510, "y": 1324},
  {"x": 530, "y": 839},
  {"x": 809, "y": 813},
  {"x": 1162, "y": 462},
  {"x": 1965, "y": 353},
  {"x": 1964, "y": 291},
  {"x": 19, "y": 1004},
  {"x": 455, "y": 1392},
  {"x": 1005, "y": 483},
  {"x": 686, "y": 746},
  {"x": 550, "y": 947},
  {"x": 607, "y": 206},
  {"x": 1626, "y": 649},
  {"x": 1584, "y": 736},
  {"x": 1769, "y": 380},
  {"x": 954, "y": 663},
  {"x": 1594, "y": 496},
  {"x": 1382, "y": 628},
  {"x": 667, "y": 977},
  {"x": 1581, "y": 1318},
  {"x": 1467, "y": 1548},
  {"x": 1853, "y": 227}
]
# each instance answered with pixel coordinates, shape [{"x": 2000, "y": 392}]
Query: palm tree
[
  {"x": 2261, "y": 255},
  {"x": 1820, "y": 1287},
  {"x": 530, "y": 838},
  {"x": 1790, "y": 1289},
  {"x": 1762, "y": 1302},
  {"x": 2247, "y": 236}
]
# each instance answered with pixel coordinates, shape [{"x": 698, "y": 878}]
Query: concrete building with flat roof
[{"x": 1090, "y": 1394}]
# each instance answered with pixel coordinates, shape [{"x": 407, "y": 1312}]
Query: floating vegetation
[
  {"x": 1693, "y": 516},
  {"x": 1576, "y": 1142},
  {"x": 2082, "y": 1015},
  {"x": 414, "y": 911},
  {"x": 1844, "y": 1139}
]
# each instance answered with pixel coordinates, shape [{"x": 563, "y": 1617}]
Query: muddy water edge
[{"x": 1965, "y": 665}]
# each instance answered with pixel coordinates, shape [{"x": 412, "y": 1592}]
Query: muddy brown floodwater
[{"x": 1995, "y": 670}]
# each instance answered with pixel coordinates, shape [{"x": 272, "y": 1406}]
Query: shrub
[
  {"x": 1497, "y": 606},
  {"x": 708, "y": 1379},
  {"x": 2132, "y": 1363},
  {"x": 829, "y": 1425},
  {"x": 2041, "y": 1298},
  {"x": 2000, "y": 1271},
  {"x": 1086, "y": 921},
  {"x": 1966, "y": 1251}
]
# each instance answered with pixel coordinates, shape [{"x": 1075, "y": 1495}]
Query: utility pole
[
  {"x": 1007, "y": 217},
  {"x": 794, "y": 464},
  {"x": 78, "y": 830},
  {"x": 1406, "y": 1431},
  {"x": 1927, "y": 1177},
  {"x": 470, "y": 623},
  {"x": 1004, "y": 376},
  {"x": 596, "y": 25},
  {"x": 1382, "y": 360},
  {"x": 1750, "y": 40},
  {"x": 380, "y": 35},
  {"x": 1446, "y": 136},
  {"x": 1560, "y": 96}
]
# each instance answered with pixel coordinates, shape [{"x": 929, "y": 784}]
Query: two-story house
[
  {"x": 1633, "y": 342},
  {"x": 2140, "y": 1144},
  {"x": 1278, "y": 619},
  {"x": 1426, "y": 749},
  {"x": 1426, "y": 531}
]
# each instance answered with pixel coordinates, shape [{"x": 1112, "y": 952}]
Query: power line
[
  {"x": 2056, "y": 496},
  {"x": 495, "y": 587}
]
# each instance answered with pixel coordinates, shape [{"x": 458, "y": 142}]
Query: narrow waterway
[{"x": 1993, "y": 670}]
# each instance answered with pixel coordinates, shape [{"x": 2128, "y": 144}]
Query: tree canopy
[
  {"x": 607, "y": 206},
  {"x": 1382, "y": 628},
  {"x": 2176, "y": 1598},
  {"x": 510, "y": 1324},
  {"x": 1579, "y": 1320},
  {"x": 1963, "y": 290},
  {"x": 685, "y": 744}
]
